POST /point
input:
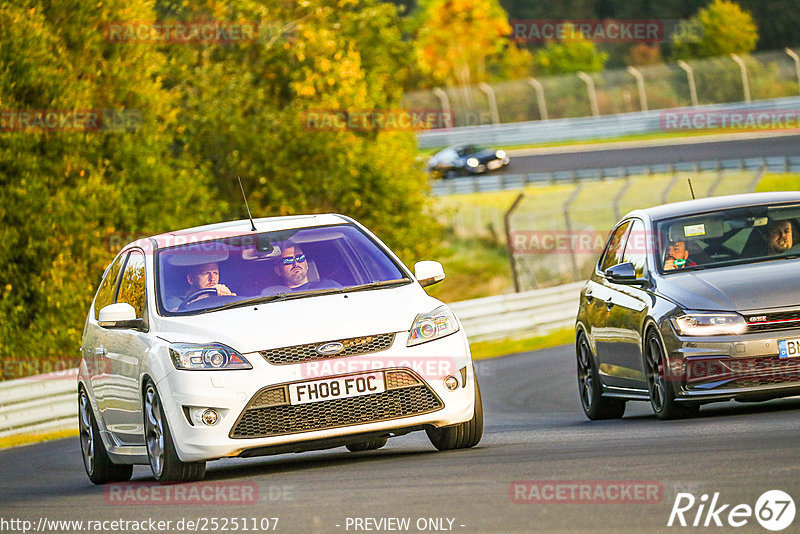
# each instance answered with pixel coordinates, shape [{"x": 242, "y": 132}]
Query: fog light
[
  {"x": 451, "y": 383},
  {"x": 210, "y": 417}
]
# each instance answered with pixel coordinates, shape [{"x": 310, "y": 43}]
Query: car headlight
[
  {"x": 434, "y": 325},
  {"x": 500, "y": 154},
  {"x": 473, "y": 162},
  {"x": 709, "y": 324},
  {"x": 209, "y": 357}
]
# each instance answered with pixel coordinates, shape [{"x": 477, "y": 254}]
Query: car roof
[
  {"x": 702, "y": 205},
  {"x": 235, "y": 228}
]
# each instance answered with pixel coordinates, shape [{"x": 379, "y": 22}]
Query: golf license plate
[
  {"x": 340, "y": 387},
  {"x": 789, "y": 348}
]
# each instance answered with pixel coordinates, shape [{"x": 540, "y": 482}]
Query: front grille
[
  {"x": 308, "y": 352},
  {"x": 774, "y": 321},
  {"x": 406, "y": 395},
  {"x": 746, "y": 373}
]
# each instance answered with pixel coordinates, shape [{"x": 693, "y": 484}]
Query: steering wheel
[{"x": 209, "y": 291}]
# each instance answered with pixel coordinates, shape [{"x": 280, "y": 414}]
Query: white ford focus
[{"x": 288, "y": 335}]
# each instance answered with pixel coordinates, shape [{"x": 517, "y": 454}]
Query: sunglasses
[{"x": 300, "y": 258}]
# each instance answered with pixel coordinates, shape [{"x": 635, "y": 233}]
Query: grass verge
[
  {"x": 23, "y": 439},
  {"x": 482, "y": 350}
]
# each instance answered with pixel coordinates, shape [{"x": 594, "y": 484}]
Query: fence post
[
  {"x": 640, "y": 86},
  {"x": 486, "y": 88},
  {"x": 745, "y": 83},
  {"x": 445, "y": 102},
  {"x": 690, "y": 78},
  {"x": 509, "y": 244},
  {"x": 568, "y": 223},
  {"x": 796, "y": 64},
  {"x": 592, "y": 92},
  {"x": 540, "y": 97}
]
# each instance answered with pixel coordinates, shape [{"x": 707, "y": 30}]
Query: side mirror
[
  {"x": 119, "y": 315},
  {"x": 428, "y": 272},
  {"x": 624, "y": 273}
]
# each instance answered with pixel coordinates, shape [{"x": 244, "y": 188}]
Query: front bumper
[
  {"x": 253, "y": 415},
  {"x": 742, "y": 367}
]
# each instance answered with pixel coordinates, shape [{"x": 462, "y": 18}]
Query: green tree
[
  {"x": 722, "y": 28},
  {"x": 66, "y": 196},
  {"x": 575, "y": 53},
  {"x": 463, "y": 42},
  {"x": 245, "y": 110}
]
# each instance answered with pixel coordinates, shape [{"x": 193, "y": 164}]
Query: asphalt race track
[
  {"x": 652, "y": 155},
  {"x": 535, "y": 431}
]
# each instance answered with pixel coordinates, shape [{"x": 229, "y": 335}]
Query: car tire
[
  {"x": 370, "y": 445},
  {"x": 595, "y": 406},
  {"x": 96, "y": 460},
  {"x": 463, "y": 435},
  {"x": 662, "y": 395},
  {"x": 164, "y": 461}
]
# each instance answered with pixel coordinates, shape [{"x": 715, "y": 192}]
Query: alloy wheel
[
  {"x": 86, "y": 431},
  {"x": 154, "y": 430}
]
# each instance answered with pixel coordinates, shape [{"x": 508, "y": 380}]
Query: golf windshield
[
  {"x": 728, "y": 237},
  {"x": 221, "y": 273}
]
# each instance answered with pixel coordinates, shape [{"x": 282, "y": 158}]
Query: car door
[
  {"x": 627, "y": 307},
  {"x": 94, "y": 340},
  {"x": 120, "y": 403},
  {"x": 598, "y": 294}
]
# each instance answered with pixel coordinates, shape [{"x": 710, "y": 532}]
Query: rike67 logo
[{"x": 774, "y": 510}]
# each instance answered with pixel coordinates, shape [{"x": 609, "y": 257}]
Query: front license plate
[
  {"x": 494, "y": 164},
  {"x": 789, "y": 348},
  {"x": 336, "y": 388}
]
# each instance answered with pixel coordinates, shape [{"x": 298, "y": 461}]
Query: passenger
[
  {"x": 293, "y": 270},
  {"x": 678, "y": 257}
]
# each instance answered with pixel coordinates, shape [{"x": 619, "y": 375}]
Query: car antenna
[
  {"x": 252, "y": 224},
  {"x": 691, "y": 189}
]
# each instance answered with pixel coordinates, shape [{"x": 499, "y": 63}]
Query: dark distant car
[
  {"x": 691, "y": 303},
  {"x": 466, "y": 160}
]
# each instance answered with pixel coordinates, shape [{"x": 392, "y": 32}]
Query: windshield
[
  {"x": 271, "y": 266},
  {"x": 729, "y": 237}
]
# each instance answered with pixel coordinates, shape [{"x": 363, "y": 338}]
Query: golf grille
[
  {"x": 308, "y": 353},
  {"x": 270, "y": 414},
  {"x": 774, "y": 321}
]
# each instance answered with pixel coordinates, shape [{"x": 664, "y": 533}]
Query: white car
[{"x": 285, "y": 335}]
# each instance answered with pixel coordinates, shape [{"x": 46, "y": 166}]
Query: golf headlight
[
  {"x": 709, "y": 324},
  {"x": 500, "y": 154},
  {"x": 210, "y": 357},
  {"x": 434, "y": 325},
  {"x": 473, "y": 162}
]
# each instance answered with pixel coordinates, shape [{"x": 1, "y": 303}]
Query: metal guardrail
[
  {"x": 39, "y": 404},
  {"x": 48, "y": 403},
  {"x": 537, "y": 311},
  {"x": 533, "y": 132},
  {"x": 500, "y": 182}
]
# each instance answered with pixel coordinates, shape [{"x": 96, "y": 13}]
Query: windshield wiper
[
  {"x": 248, "y": 302},
  {"x": 382, "y": 283}
]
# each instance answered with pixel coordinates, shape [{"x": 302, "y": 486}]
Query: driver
[
  {"x": 779, "y": 237},
  {"x": 205, "y": 276}
]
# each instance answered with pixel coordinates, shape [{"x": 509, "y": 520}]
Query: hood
[
  {"x": 770, "y": 284},
  {"x": 304, "y": 320}
]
